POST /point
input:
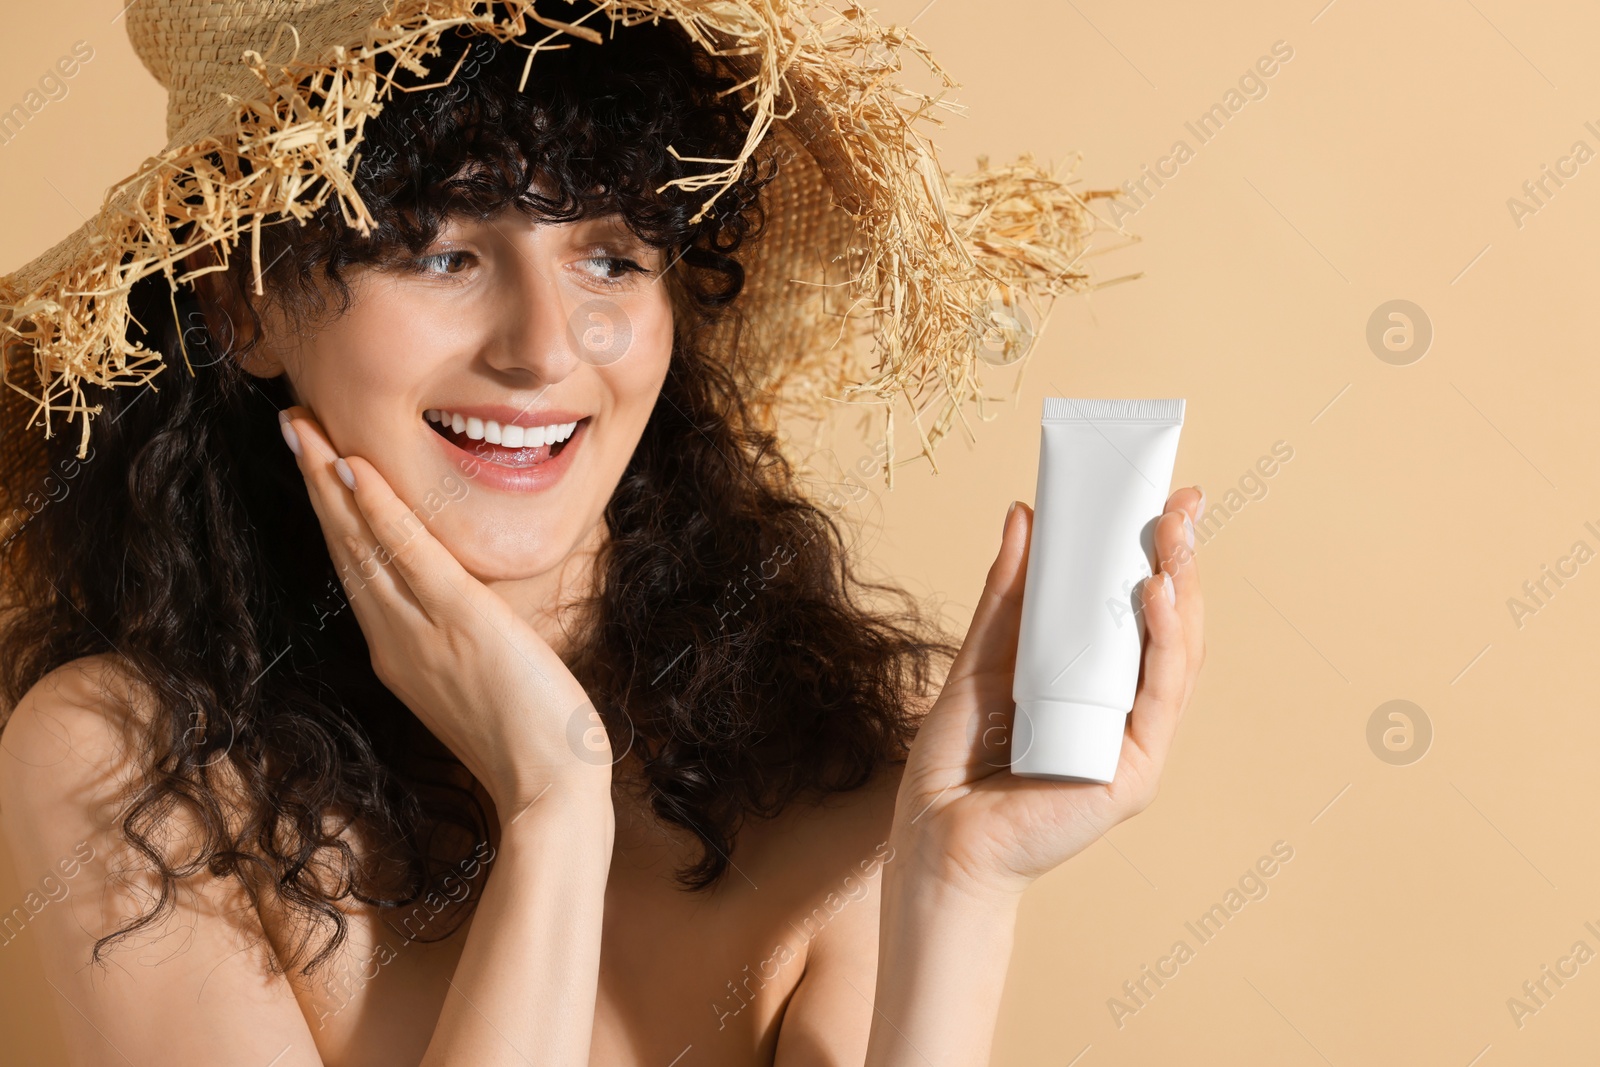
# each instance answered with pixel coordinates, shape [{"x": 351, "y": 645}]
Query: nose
[{"x": 533, "y": 339}]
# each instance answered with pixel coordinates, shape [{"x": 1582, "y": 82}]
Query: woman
[{"x": 417, "y": 742}]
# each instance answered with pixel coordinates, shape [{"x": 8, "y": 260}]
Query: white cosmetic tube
[{"x": 1105, "y": 471}]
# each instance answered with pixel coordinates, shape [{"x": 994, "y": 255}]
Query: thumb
[{"x": 991, "y": 642}]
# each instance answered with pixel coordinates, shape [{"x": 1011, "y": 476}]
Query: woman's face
[{"x": 506, "y": 326}]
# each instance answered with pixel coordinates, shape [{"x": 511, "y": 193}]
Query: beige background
[{"x": 1376, "y": 566}]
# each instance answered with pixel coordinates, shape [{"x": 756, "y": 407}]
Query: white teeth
[{"x": 509, "y": 436}]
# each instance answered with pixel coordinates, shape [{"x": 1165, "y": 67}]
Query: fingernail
[
  {"x": 1172, "y": 594},
  {"x": 1188, "y": 531},
  {"x": 1200, "y": 508},
  {"x": 289, "y": 435},
  {"x": 346, "y": 475},
  {"x": 1007, "y": 524}
]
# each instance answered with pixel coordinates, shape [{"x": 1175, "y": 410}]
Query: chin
[{"x": 509, "y": 554}]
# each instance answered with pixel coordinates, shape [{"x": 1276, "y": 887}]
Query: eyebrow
[
  {"x": 612, "y": 224},
  {"x": 615, "y": 226}
]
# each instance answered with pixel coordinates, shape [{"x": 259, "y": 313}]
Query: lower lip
[{"x": 482, "y": 470}]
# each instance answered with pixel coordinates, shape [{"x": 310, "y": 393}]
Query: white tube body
[{"x": 1105, "y": 471}]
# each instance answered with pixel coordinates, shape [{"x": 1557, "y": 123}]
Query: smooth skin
[{"x": 912, "y": 977}]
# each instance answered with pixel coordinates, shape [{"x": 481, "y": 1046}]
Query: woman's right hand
[{"x": 477, "y": 675}]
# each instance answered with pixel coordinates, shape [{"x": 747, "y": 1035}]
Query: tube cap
[{"x": 1068, "y": 742}]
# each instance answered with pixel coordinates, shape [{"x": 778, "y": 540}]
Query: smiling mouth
[{"x": 518, "y": 457}]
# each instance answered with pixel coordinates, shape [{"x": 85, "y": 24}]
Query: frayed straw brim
[{"x": 880, "y": 277}]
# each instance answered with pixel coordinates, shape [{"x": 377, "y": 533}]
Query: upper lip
[{"x": 506, "y": 415}]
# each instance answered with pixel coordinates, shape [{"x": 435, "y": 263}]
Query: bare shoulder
[
  {"x": 68, "y": 756},
  {"x": 71, "y": 738},
  {"x": 73, "y": 756},
  {"x": 191, "y": 974},
  {"x": 75, "y": 751},
  {"x": 835, "y": 853},
  {"x": 835, "y": 831},
  {"x": 97, "y": 687},
  {"x": 826, "y": 859}
]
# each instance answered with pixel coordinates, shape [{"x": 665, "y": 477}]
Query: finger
[
  {"x": 432, "y": 574},
  {"x": 445, "y": 593},
  {"x": 1191, "y": 499},
  {"x": 1179, "y": 560},
  {"x": 351, "y": 544},
  {"x": 991, "y": 642},
  {"x": 1159, "y": 701},
  {"x": 384, "y": 616}
]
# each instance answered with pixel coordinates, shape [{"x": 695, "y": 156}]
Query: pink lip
[
  {"x": 482, "y": 470},
  {"x": 506, "y": 415}
]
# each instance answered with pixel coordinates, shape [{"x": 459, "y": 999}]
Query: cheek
[
  {"x": 635, "y": 380},
  {"x": 354, "y": 370}
]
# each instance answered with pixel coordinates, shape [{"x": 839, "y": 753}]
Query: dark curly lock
[{"x": 727, "y": 642}]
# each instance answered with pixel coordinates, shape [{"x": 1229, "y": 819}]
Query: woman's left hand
[{"x": 961, "y": 817}]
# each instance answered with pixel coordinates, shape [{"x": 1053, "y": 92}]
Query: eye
[
  {"x": 427, "y": 264},
  {"x": 611, "y": 270}
]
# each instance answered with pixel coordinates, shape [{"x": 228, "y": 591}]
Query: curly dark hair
[{"x": 728, "y": 641}]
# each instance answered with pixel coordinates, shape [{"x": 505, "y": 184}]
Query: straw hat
[{"x": 881, "y": 278}]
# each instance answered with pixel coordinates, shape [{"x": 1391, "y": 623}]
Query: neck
[{"x": 549, "y": 601}]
